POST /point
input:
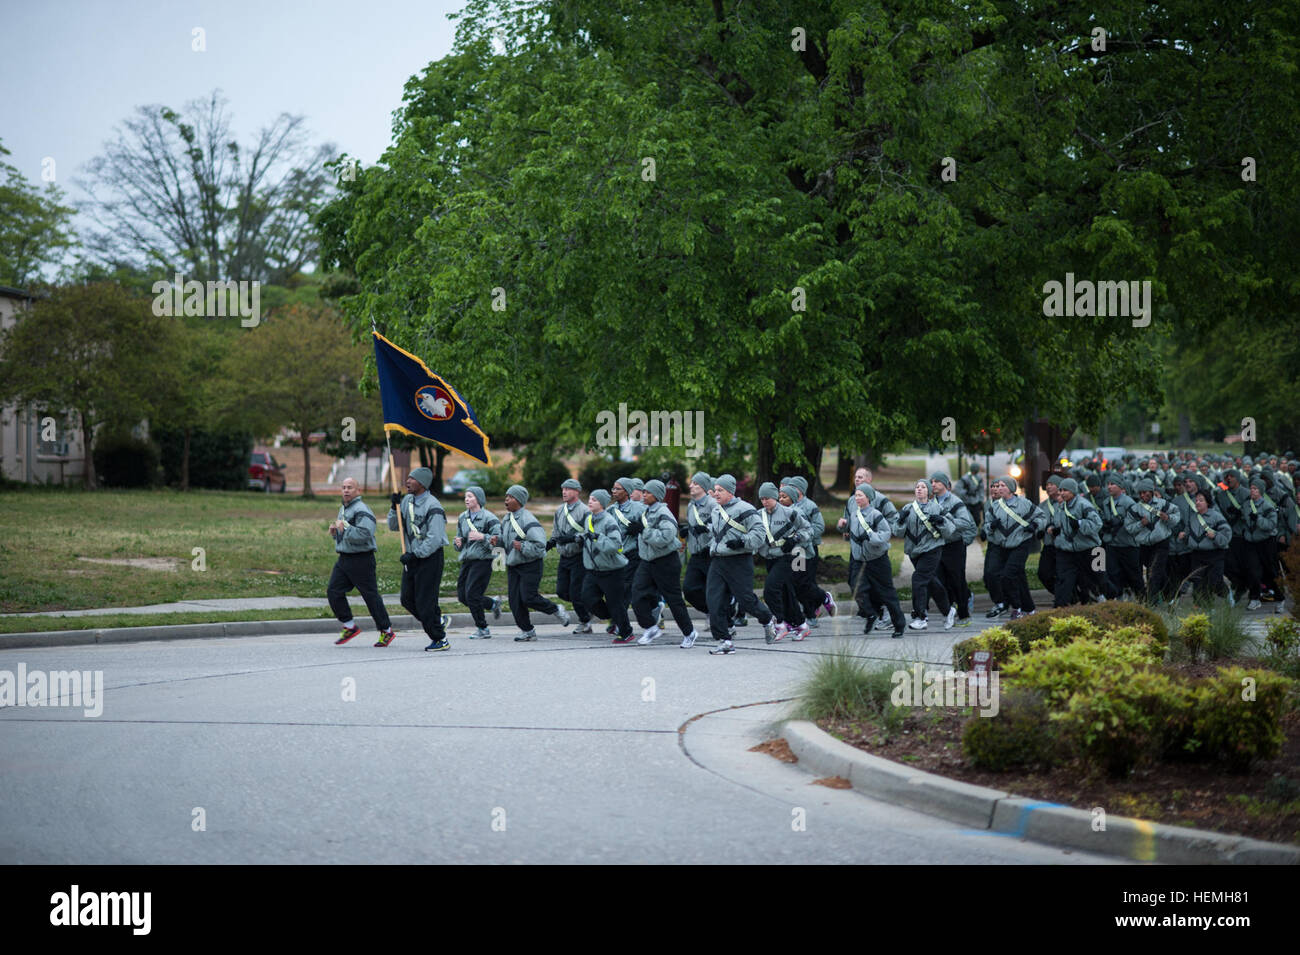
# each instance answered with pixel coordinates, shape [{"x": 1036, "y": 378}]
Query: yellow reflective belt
[
  {"x": 727, "y": 517},
  {"x": 694, "y": 514},
  {"x": 410, "y": 520},
  {"x": 619, "y": 516},
  {"x": 569, "y": 517},
  {"x": 767, "y": 528},
  {"x": 519, "y": 531},
  {"x": 863, "y": 521},
  {"x": 1014, "y": 516}
]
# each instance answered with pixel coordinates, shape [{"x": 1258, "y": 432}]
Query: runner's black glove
[{"x": 396, "y": 498}]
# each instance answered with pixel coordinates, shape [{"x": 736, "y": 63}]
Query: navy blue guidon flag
[{"x": 418, "y": 402}]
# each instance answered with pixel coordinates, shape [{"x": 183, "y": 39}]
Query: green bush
[
  {"x": 998, "y": 640},
  {"x": 1232, "y": 728},
  {"x": 1019, "y": 735},
  {"x": 1108, "y": 616},
  {"x": 840, "y": 685},
  {"x": 218, "y": 459},
  {"x": 1059, "y": 672},
  {"x": 1227, "y": 636},
  {"x": 602, "y": 473},
  {"x": 543, "y": 472},
  {"x": 1283, "y": 647},
  {"x": 1123, "y": 718},
  {"x": 1193, "y": 633},
  {"x": 127, "y": 461}
]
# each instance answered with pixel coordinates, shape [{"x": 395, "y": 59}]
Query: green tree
[
  {"x": 35, "y": 227},
  {"x": 91, "y": 349},
  {"x": 298, "y": 369}
]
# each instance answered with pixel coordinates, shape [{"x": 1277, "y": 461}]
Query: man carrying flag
[{"x": 424, "y": 527}]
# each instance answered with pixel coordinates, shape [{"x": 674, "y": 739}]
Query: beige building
[{"x": 33, "y": 449}]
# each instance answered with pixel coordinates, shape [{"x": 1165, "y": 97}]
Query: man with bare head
[{"x": 354, "y": 541}]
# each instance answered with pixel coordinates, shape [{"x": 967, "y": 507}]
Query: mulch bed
[{"x": 1181, "y": 794}]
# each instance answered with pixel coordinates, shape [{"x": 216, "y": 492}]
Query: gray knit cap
[
  {"x": 601, "y": 495},
  {"x": 656, "y": 488},
  {"x": 702, "y": 479},
  {"x": 519, "y": 493},
  {"x": 767, "y": 489},
  {"x": 726, "y": 482},
  {"x": 571, "y": 484},
  {"x": 478, "y": 493},
  {"x": 422, "y": 476}
]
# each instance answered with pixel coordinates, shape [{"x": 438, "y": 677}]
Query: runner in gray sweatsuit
[
  {"x": 1011, "y": 525},
  {"x": 922, "y": 524},
  {"x": 474, "y": 529}
]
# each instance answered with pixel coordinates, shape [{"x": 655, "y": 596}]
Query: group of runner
[{"x": 621, "y": 550}]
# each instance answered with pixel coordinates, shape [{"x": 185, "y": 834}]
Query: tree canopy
[{"x": 593, "y": 202}]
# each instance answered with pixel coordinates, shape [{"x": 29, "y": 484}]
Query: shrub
[
  {"x": 1283, "y": 636},
  {"x": 602, "y": 473},
  {"x": 840, "y": 685},
  {"x": 1108, "y": 616},
  {"x": 1193, "y": 633},
  {"x": 1059, "y": 672},
  {"x": 127, "y": 461},
  {"x": 1019, "y": 735},
  {"x": 1236, "y": 730},
  {"x": 1122, "y": 718},
  {"x": 1227, "y": 635},
  {"x": 997, "y": 640},
  {"x": 218, "y": 459},
  {"x": 543, "y": 472}
]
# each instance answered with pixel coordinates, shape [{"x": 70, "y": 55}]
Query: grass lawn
[{"x": 255, "y": 545}]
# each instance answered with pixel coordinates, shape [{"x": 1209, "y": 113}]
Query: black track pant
[
  {"x": 356, "y": 570},
  {"x": 522, "y": 581},
  {"x": 471, "y": 589},
  {"x": 1208, "y": 571},
  {"x": 1259, "y": 566},
  {"x": 952, "y": 573},
  {"x": 1073, "y": 569},
  {"x": 421, "y": 584},
  {"x": 926, "y": 585},
  {"x": 1180, "y": 566},
  {"x": 1047, "y": 567},
  {"x": 1236, "y": 560},
  {"x": 602, "y": 593},
  {"x": 568, "y": 584},
  {"x": 1004, "y": 575},
  {"x": 805, "y": 587},
  {"x": 779, "y": 593},
  {"x": 1155, "y": 560},
  {"x": 1124, "y": 570},
  {"x": 732, "y": 578},
  {"x": 629, "y": 576},
  {"x": 663, "y": 575},
  {"x": 695, "y": 588},
  {"x": 875, "y": 587}
]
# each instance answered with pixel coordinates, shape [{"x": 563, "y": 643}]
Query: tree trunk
[
  {"x": 439, "y": 455},
  {"x": 306, "y": 466},
  {"x": 763, "y": 456},
  {"x": 185, "y": 461},
  {"x": 1184, "y": 428},
  {"x": 813, "y": 451},
  {"x": 844, "y": 468},
  {"x": 88, "y": 440}
]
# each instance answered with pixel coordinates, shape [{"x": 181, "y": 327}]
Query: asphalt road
[{"x": 564, "y": 750}]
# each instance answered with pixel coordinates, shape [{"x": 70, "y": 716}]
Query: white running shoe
[
  {"x": 562, "y": 614},
  {"x": 724, "y": 647},
  {"x": 884, "y": 624},
  {"x": 800, "y": 631},
  {"x": 950, "y": 619},
  {"x": 1254, "y": 605},
  {"x": 919, "y": 624},
  {"x": 779, "y": 632},
  {"x": 583, "y": 627},
  {"x": 688, "y": 641},
  {"x": 446, "y": 621},
  {"x": 648, "y": 637}
]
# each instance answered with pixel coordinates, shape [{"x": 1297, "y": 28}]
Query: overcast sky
[{"x": 70, "y": 70}]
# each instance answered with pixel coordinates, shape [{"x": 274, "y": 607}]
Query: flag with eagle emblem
[{"x": 418, "y": 402}]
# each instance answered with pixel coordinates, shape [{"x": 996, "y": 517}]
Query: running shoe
[
  {"x": 688, "y": 641},
  {"x": 648, "y": 637},
  {"x": 347, "y": 634},
  {"x": 386, "y": 637},
  {"x": 800, "y": 631},
  {"x": 724, "y": 647},
  {"x": 528, "y": 637},
  {"x": 443, "y": 644}
]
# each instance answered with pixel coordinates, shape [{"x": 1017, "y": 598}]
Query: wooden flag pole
[{"x": 392, "y": 477}]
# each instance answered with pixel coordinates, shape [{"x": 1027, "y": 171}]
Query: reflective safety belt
[
  {"x": 618, "y": 515},
  {"x": 767, "y": 529},
  {"x": 519, "y": 531},
  {"x": 862, "y": 521},
  {"x": 1014, "y": 516},
  {"x": 924, "y": 520},
  {"x": 410, "y": 520},
  {"x": 569, "y": 517},
  {"x": 693, "y": 513}
]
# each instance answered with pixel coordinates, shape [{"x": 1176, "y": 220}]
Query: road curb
[{"x": 1003, "y": 814}]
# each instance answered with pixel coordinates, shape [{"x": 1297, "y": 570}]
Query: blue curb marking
[{"x": 1022, "y": 822}]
